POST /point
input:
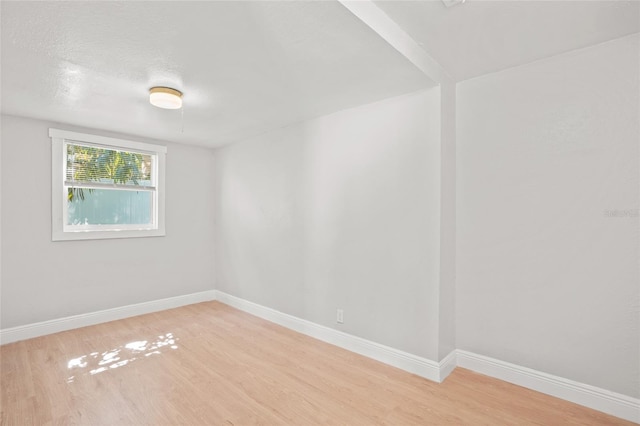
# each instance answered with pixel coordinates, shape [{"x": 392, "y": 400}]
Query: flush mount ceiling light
[{"x": 165, "y": 97}]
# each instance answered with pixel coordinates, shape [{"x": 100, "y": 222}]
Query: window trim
[{"x": 60, "y": 231}]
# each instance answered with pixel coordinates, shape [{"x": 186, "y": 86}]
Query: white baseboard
[
  {"x": 405, "y": 361},
  {"x": 29, "y": 331},
  {"x": 448, "y": 364},
  {"x": 599, "y": 399},
  {"x": 616, "y": 404}
]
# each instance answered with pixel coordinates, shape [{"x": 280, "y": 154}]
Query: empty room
[{"x": 320, "y": 212}]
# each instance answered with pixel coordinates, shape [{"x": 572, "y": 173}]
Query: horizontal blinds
[{"x": 108, "y": 168}]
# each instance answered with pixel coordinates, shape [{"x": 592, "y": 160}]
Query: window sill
[{"x": 104, "y": 235}]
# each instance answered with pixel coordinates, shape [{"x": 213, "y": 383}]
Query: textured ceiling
[
  {"x": 248, "y": 67},
  {"x": 244, "y": 67},
  {"x": 481, "y": 36}
]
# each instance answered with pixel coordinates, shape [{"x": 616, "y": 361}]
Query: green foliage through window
[{"x": 92, "y": 164}]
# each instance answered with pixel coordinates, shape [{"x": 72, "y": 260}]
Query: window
[{"x": 105, "y": 188}]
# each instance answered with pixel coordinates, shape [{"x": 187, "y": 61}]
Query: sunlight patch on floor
[{"x": 96, "y": 362}]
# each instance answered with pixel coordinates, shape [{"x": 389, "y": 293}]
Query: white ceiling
[
  {"x": 248, "y": 67},
  {"x": 479, "y": 36},
  {"x": 244, "y": 67}
]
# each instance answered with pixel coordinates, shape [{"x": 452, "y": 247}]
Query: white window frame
[{"x": 60, "y": 231}]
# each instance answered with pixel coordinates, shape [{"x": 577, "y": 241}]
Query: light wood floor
[{"x": 211, "y": 364}]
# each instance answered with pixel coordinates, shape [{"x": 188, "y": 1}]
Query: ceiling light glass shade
[{"x": 165, "y": 97}]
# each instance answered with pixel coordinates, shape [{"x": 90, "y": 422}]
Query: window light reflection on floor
[{"x": 121, "y": 356}]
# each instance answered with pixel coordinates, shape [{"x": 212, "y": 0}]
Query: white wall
[
  {"x": 447, "y": 294},
  {"x": 0, "y": 224},
  {"x": 359, "y": 209},
  {"x": 44, "y": 280},
  {"x": 339, "y": 212},
  {"x": 545, "y": 279}
]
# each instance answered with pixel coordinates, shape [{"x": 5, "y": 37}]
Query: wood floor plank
[{"x": 211, "y": 364}]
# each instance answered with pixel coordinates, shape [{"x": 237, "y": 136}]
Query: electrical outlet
[{"x": 340, "y": 316}]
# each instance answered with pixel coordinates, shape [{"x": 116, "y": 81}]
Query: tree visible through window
[
  {"x": 125, "y": 170},
  {"x": 107, "y": 187}
]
